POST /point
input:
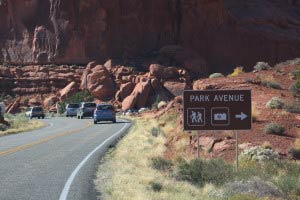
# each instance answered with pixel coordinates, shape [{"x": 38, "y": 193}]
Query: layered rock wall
[{"x": 214, "y": 34}]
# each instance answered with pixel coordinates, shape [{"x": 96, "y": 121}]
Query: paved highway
[{"x": 56, "y": 162}]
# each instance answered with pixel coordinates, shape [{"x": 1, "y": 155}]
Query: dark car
[
  {"x": 35, "y": 112},
  {"x": 72, "y": 109},
  {"x": 86, "y": 110},
  {"x": 104, "y": 112}
]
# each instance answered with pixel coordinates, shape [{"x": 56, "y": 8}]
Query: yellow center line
[{"x": 44, "y": 140}]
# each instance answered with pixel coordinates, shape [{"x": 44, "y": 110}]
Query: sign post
[
  {"x": 217, "y": 110},
  {"x": 237, "y": 149},
  {"x": 198, "y": 145}
]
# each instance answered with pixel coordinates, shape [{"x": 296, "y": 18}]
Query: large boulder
[
  {"x": 69, "y": 90},
  {"x": 156, "y": 70},
  {"x": 138, "y": 98},
  {"x": 99, "y": 82},
  {"x": 125, "y": 90},
  {"x": 176, "y": 88}
]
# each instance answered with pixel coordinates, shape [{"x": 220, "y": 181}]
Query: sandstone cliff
[{"x": 207, "y": 34}]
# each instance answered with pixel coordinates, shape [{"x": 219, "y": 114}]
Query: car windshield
[
  {"x": 37, "y": 109},
  {"x": 89, "y": 105},
  {"x": 73, "y": 105},
  {"x": 105, "y": 107}
]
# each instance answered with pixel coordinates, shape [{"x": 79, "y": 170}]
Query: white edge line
[{"x": 65, "y": 191}]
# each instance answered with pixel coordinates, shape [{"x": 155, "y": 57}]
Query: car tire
[{"x": 114, "y": 121}]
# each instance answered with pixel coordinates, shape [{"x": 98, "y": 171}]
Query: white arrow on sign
[{"x": 242, "y": 116}]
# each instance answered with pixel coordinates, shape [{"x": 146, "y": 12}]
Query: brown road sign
[{"x": 217, "y": 110}]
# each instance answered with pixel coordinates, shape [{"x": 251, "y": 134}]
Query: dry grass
[
  {"x": 20, "y": 123},
  {"x": 127, "y": 172}
]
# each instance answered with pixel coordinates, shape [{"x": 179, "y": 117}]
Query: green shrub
[
  {"x": 274, "y": 128},
  {"x": 258, "y": 154},
  {"x": 3, "y": 127},
  {"x": 296, "y": 73},
  {"x": 295, "y": 152},
  {"x": 289, "y": 184},
  {"x": 271, "y": 84},
  {"x": 260, "y": 66},
  {"x": 293, "y": 108},
  {"x": 275, "y": 103},
  {"x": 155, "y": 104},
  {"x": 200, "y": 172},
  {"x": 156, "y": 186},
  {"x": 82, "y": 96},
  {"x": 156, "y": 131},
  {"x": 216, "y": 75},
  {"x": 160, "y": 163},
  {"x": 295, "y": 88}
]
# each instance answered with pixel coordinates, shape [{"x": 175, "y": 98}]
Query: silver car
[
  {"x": 35, "y": 112},
  {"x": 71, "y": 109}
]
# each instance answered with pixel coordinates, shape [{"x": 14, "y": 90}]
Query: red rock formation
[
  {"x": 200, "y": 35},
  {"x": 69, "y": 90},
  {"x": 138, "y": 98},
  {"x": 98, "y": 81}
]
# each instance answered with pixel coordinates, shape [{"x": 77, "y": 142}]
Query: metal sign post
[
  {"x": 198, "y": 145},
  {"x": 237, "y": 149}
]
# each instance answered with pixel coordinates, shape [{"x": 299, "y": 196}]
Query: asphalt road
[{"x": 57, "y": 162}]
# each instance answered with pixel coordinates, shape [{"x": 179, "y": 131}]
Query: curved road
[{"x": 56, "y": 162}]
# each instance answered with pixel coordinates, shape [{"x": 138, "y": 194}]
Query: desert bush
[
  {"x": 296, "y": 73},
  {"x": 271, "y": 84},
  {"x": 200, "y": 172},
  {"x": 274, "y": 128},
  {"x": 237, "y": 71},
  {"x": 295, "y": 151},
  {"x": 295, "y": 88},
  {"x": 255, "y": 186},
  {"x": 155, "y": 104},
  {"x": 82, "y": 96},
  {"x": 266, "y": 145},
  {"x": 258, "y": 154},
  {"x": 216, "y": 75},
  {"x": 3, "y": 127},
  {"x": 156, "y": 186},
  {"x": 293, "y": 108},
  {"x": 161, "y": 104},
  {"x": 275, "y": 103},
  {"x": 160, "y": 163},
  {"x": 260, "y": 66},
  {"x": 289, "y": 184},
  {"x": 156, "y": 131}
]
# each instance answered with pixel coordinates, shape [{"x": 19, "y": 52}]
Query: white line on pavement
[{"x": 65, "y": 191}]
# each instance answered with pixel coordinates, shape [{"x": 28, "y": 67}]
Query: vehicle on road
[
  {"x": 72, "y": 109},
  {"x": 2, "y": 108},
  {"x": 86, "y": 110},
  {"x": 104, "y": 112},
  {"x": 35, "y": 112}
]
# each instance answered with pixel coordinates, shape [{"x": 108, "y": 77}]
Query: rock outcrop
[
  {"x": 98, "y": 81},
  {"x": 183, "y": 33}
]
